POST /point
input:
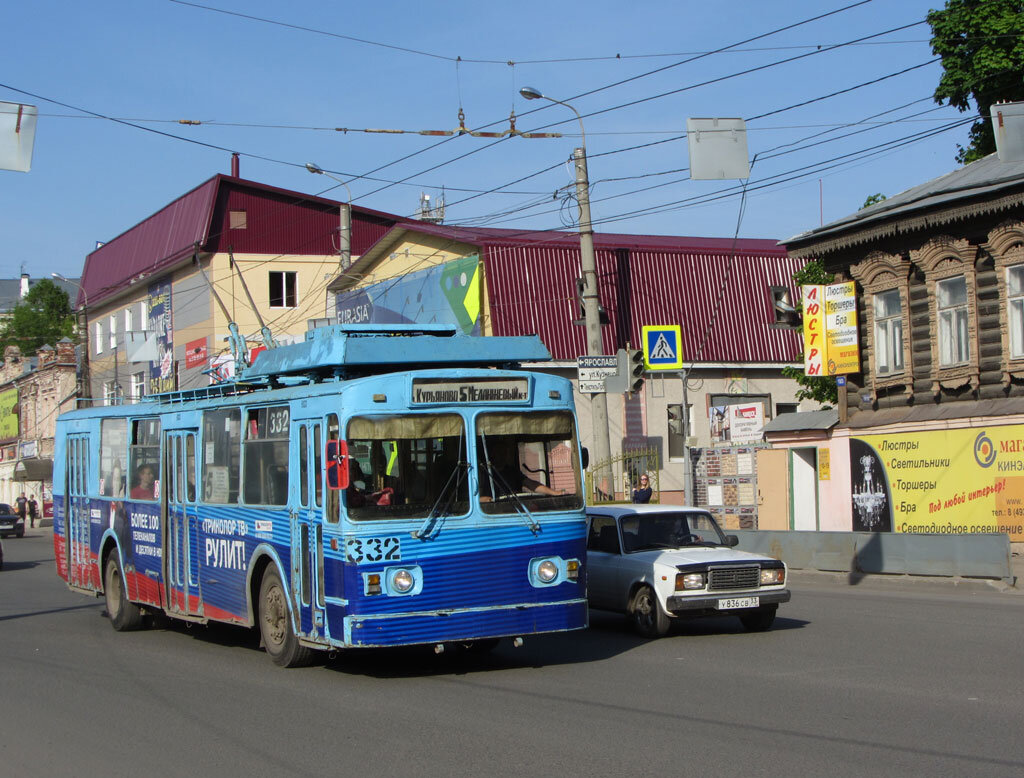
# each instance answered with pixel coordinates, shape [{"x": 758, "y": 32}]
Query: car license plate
[{"x": 738, "y": 602}]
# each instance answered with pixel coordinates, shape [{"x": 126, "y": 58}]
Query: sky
[{"x": 273, "y": 81}]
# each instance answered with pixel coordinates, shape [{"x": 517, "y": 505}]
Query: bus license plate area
[{"x": 732, "y": 603}]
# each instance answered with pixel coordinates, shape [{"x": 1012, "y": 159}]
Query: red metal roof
[
  {"x": 279, "y": 221},
  {"x": 723, "y": 303}
]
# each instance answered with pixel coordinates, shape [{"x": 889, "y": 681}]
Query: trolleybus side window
[
  {"x": 303, "y": 467},
  {"x": 333, "y": 433},
  {"x": 405, "y": 466},
  {"x": 527, "y": 458},
  {"x": 144, "y": 475},
  {"x": 265, "y": 459},
  {"x": 190, "y": 468},
  {"x": 222, "y": 440},
  {"x": 113, "y": 456}
]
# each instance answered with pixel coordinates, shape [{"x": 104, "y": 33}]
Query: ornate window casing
[
  {"x": 941, "y": 258},
  {"x": 1006, "y": 247},
  {"x": 877, "y": 273}
]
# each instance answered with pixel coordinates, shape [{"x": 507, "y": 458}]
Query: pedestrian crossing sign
[{"x": 663, "y": 347}]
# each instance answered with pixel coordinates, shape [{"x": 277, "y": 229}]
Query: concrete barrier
[{"x": 968, "y": 556}]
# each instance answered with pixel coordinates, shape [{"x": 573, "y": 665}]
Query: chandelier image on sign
[{"x": 868, "y": 496}]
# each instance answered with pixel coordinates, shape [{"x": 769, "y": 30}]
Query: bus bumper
[{"x": 469, "y": 624}]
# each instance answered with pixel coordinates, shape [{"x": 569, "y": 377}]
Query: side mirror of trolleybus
[
  {"x": 585, "y": 456},
  {"x": 336, "y": 460}
]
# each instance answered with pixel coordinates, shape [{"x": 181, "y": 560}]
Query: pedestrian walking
[
  {"x": 21, "y": 506},
  {"x": 33, "y": 510}
]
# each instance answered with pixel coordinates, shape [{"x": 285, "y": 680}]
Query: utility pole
[{"x": 592, "y": 320}]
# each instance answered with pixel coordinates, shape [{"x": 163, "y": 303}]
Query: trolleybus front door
[
  {"x": 76, "y": 512},
  {"x": 308, "y": 538},
  {"x": 181, "y": 553}
]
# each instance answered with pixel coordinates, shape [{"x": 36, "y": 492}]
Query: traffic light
[{"x": 635, "y": 370}]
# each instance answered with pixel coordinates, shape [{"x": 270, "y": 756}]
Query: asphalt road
[{"x": 853, "y": 681}]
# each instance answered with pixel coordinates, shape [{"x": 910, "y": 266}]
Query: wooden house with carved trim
[{"x": 939, "y": 399}]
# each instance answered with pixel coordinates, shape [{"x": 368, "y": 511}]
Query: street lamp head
[
  {"x": 530, "y": 93},
  {"x": 58, "y": 276},
  {"x": 312, "y": 167}
]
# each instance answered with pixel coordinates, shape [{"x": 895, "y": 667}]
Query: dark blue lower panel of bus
[{"x": 468, "y": 624}]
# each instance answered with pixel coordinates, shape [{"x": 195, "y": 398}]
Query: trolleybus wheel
[
  {"x": 276, "y": 625},
  {"x": 648, "y": 617},
  {"x": 123, "y": 614}
]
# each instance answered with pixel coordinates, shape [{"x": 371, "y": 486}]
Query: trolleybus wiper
[
  {"x": 437, "y": 512},
  {"x": 495, "y": 477}
]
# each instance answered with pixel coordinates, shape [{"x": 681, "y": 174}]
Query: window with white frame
[
  {"x": 283, "y": 289},
  {"x": 98, "y": 337},
  {"x": 138, "y": 386},
  {"x": 113, "y": 331},
  {"x": 110, "y": 393},
  {"x": 1015, "y": 309},
  {"x": 677, "y": 432},
  {"x": 951, "y": 298},
  {"x": 888, "y": 310},
  {"x": 129, "y": 319},
  {"x": 144, "y": 315}
]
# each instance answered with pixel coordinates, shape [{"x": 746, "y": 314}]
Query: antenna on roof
[{"x": 434, "y": 214}]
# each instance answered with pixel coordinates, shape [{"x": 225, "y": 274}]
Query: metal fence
[{"x": 614, "y": 479}]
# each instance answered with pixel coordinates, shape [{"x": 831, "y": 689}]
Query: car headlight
[
  {"x": 547, "y": 571},
  {"x": 689, "y": 581},
  {"x": 402, "y": 581},
  {"x": 772, "y": 576}
]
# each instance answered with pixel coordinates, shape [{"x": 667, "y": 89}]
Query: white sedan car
[{"x": 658, "y": 563}]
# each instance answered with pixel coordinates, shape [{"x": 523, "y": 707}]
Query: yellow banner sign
[
  {"x": 8, "y": 414},
  {"x": 830, "y": 329},
  {"x": 949, "y": 482}
]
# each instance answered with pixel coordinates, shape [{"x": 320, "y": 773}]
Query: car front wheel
[
  {"x": 648, "y": 617},
  {"x": 759, "y": 620}
]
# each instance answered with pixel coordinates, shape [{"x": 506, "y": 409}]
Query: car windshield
[
  {"x": 5, "y": 508},
  {"x": 644, "y": 532}
]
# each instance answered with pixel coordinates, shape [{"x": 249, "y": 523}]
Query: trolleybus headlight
[
  {"x": 547, "y": 571},
  {"x": 771, "y": 576},
  {"x": 402, "y": 581}
]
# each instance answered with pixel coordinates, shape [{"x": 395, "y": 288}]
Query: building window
[
  {"x": 282, "y": 289},
  {"x": 98, "y": 337},
  {"x": 144, "y": 315},
  {"x": 1015, "y": 309},
  {"x": 129, "y": 319},
  {"x": 110, "y": 393},
  {"x": 888, "y": 332},
  {"x": 113, "y": 331},
  {"x": 781, "y": 408},
  {"x": 138, "y": 386},
  {"x": 951, "y": 296},
  {"x": 237, "y": 220},
  {"x": 676, "y": 433}
]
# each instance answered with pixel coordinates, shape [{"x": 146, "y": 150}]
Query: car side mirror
[{"x": 732, "y": 540}]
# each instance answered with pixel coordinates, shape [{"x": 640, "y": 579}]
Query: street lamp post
[
  {"x": 83, "y": 335},
  {"x": 591, "y": 301}
]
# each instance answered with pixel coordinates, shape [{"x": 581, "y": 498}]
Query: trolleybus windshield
[{"x": 402, "y": 466}]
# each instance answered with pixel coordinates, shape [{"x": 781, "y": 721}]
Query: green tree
[
  {"x": 872, "y": 199},
  {"x": 981, "y": 43},
  {"x": 821, "y": 389},
  {"x": 42, "y": 317}
]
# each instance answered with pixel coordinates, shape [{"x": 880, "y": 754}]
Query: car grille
[{"x": 734, "y": 577}]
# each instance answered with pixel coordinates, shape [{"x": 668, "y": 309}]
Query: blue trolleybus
[{"x": 366, "y": 487}]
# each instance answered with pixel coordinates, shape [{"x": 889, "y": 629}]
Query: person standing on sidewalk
[
  {"x": 33, "y": 510},
  {"x": 21, "y": 507}
]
